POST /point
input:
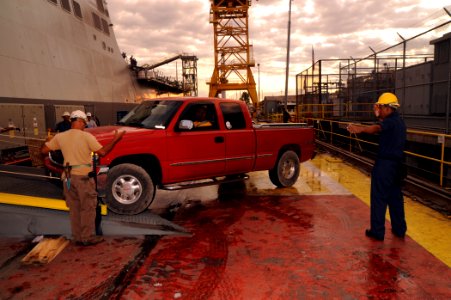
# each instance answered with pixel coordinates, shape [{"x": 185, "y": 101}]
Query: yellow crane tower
[{"x": 233, "y": 53}]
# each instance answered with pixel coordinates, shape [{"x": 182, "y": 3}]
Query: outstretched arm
[
  {"x": 108, "y": 147},
  {"x": 45, "y": 149},
  {"x": 371, "y": 129}
]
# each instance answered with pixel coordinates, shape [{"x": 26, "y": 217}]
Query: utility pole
[
  {"x": 288, "y": 55},
  {"x": 258, "y": 68}
]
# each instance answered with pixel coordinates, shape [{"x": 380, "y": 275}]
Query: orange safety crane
[{"x": 233, "y": 53}]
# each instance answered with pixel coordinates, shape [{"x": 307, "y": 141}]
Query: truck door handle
[{"x": 219, "y": 139}]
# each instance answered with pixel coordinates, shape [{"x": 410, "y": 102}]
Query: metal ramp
[
  {"x": 31, "y": 204},
  {"x": 19, "y": 221}
]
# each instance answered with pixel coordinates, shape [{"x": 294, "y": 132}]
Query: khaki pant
[{"x": 81, "y": 198}]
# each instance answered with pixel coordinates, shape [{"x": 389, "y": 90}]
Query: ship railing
[{"x": 428, "y": 154}]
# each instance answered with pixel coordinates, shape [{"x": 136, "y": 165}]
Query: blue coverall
[{"x": 386, "y": 178}]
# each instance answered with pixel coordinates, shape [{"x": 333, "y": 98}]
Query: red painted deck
[
  {"x": 77, "y": 272},
  {"x": 256, "y": 247},
  {"x": 287, "y": 248}
]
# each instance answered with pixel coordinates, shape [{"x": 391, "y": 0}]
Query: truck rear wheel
[
  {"x": 286, "y": 171},
  {"x": 130, "y": 189}
]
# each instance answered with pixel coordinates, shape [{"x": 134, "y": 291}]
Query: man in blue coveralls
[{"x": 387, "y": 174}]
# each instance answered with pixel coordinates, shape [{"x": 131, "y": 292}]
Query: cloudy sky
[{"x": 153, "y": 30}]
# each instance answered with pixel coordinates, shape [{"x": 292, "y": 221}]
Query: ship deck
[{"x": 249, "y": 240}]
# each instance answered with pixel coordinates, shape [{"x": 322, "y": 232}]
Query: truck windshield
[{"x": 151, "y": 114}]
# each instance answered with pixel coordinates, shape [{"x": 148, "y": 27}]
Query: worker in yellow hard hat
[
  {"x": 386, "y": 100},
  {"x": 388, "y": 171}
]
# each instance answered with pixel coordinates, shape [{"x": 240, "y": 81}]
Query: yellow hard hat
[{"x": 388, "y": 99}]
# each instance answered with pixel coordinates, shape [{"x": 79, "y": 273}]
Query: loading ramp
[
  {"x": 24, "y": 221},
  {"x": 31, "y": 204}
]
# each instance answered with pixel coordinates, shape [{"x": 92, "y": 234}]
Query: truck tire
[
  {"x": 129, "y": 190},
  {"x": 286, "y": 171}
]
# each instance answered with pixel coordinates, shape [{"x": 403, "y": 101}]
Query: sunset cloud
[{"x": 153, "y": 30}]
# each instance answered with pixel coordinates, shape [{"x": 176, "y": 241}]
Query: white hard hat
[
  {"x": 66, "y": 113},
  {"x": 88, "y": 114},
  {"x": 78, "y": 114}
]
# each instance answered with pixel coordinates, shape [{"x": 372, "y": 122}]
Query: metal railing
[
  {"x": 412, "y": 69},
  {"x": 350, "y": 111},
  {"x": 334, "y": 132},
  {"x": 330, "y": 122},
  {"x": 354, "y": 111}
]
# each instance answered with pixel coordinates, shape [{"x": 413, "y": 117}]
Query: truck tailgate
[{"x": 271, "y": 138}]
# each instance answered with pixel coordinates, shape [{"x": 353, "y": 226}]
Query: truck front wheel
[
  {"x": 286, "y": 171},
  {"x": 130, "y": 189}
]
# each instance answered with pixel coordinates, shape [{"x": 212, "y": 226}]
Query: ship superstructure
[
  {"x": 60, "y": 55},
  {"x": 62, "y": 50}
]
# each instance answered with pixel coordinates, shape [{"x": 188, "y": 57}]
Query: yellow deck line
[
  {"x": 426, "y": 226},
  {"x": 56, "y": 204}
]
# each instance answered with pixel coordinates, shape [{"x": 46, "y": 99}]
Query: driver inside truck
[{"x": 200, "y": 117}]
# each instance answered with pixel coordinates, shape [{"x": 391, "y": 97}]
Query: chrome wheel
[
  {"x": 127, "y": 189},
  {"x": 288, "y": 168},
  {"x": 286, "y": 171}
]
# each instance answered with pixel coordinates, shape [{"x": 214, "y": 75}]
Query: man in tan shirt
[{"x": 79, "y": 188}]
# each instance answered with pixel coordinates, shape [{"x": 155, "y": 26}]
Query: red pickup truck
[{"x": 175, "y": 143}]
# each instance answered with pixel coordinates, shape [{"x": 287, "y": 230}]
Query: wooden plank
[{"x": 46, "y": 250}]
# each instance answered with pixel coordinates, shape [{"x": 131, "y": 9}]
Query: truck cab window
[
  {"x": 203, "y": 116},
  {"x": 233, "y": 116}
]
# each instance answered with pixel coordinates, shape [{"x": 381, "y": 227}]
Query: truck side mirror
[{"x": 186, "y": 125}]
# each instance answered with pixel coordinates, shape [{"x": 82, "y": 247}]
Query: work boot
[
  {"x": 401, "y": 236},
  {"x": 371, "y": 234}
]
